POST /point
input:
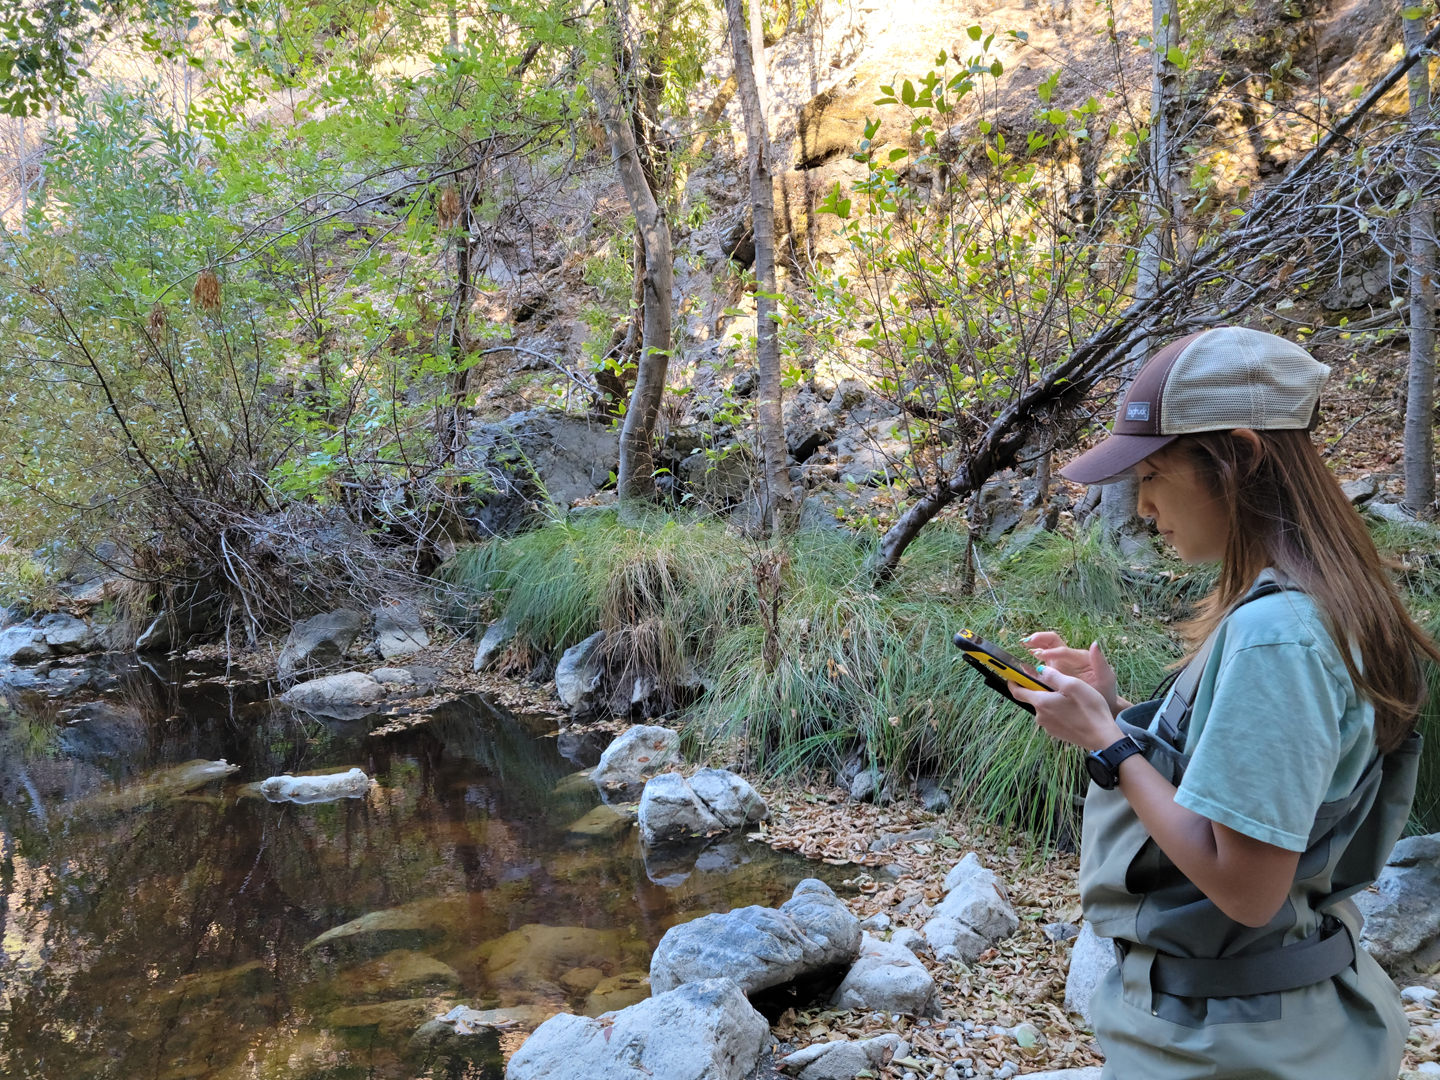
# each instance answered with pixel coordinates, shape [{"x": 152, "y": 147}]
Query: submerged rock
[
  {"x": 701, "y": 1031},
  {"x": 319, "y": 642},
  {"x": 886, "y": 977},
  {"x": 346, "y": 696},
  {"x": 760, "y": 947},
  {"x": 537, "y": 953},
  {"x": 412, "y": 926},
  {"x": 577, "y": 675},
  {"x": 603, "y": 823},
  {"x": 634, "y": 757},
  {"x": 353, "y": 784},
  {"x": 402, "y": 973},
  {"x": 392, "y": 1020},
  {"x": 161, "y": 784},
  {"x": 843, "y": 1060},
  {"x": 449, "y": 1045},
  {"x": 617, "y": 992}
]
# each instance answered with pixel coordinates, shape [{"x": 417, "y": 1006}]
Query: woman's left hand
[{"x": 1072, "y": 710}]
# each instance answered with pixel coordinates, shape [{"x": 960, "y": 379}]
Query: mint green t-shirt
[{"x": 1277, "y": 727}]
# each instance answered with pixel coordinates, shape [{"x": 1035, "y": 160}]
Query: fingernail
[{"x": 1040, "y": 666}]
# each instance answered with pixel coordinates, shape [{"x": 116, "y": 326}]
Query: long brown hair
[{"x": 1287, "y": 512}]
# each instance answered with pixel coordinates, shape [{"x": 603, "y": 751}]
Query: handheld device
[{"x": 997, "y": 667}]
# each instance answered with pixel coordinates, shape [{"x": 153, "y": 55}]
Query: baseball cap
[{"x": 1215, "y": 380}]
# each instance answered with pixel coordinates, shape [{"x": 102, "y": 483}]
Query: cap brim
[{"x": 1112, "y": 460}]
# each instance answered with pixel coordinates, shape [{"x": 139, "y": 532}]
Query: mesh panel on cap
[{"x": 1237, "y": 377}]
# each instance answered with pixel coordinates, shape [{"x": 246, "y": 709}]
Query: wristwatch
[{"x": 1104, "y": 765}]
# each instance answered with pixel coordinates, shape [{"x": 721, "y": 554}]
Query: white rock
[
  {"x": 729, "y": 797},
  {"x": 887, "y": 977},
  {"x": 974, "y": 915},
  {"x": 700, "y": 1031},
  {"x": 760, "y": 947},
  {"x": 1419, "y": 995},
  {"x": 1090, "y": 958},
  {"x": 967, "y": 868},
  {"x": 67, "y": 635},
  {"x": 577, "y": 675},
  {"x": 877, "y": 923},
  {"x": 910, "y": 939},
  {"x": 951, "y": 939},
  {"x": 335, "y": 695},
  {"x": 842, "y": 1060},
  {"x": 670, "y": 810},
  {"x": 496, "y": 639},
  {"x": 399, "y": 632},
  {"x": 353, "y": 784},
  {"x": 636, "y": 755}
]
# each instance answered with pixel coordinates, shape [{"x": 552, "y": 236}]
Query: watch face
[{"x": 1099, "y": 772}]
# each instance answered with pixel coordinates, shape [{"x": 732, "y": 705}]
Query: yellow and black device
[{"x": 997, "y": 667}]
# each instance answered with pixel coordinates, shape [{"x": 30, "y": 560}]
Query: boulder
[
  {"x": 1090, "y": 958},
  {"x": 318, "y": 642},
  {"x": 887, "y": 978},
  {"x": 66, "y": 635},
  {"x": 347, "y": 696},
  {"x": 399, "y": 632},
  {"x": 577, "y": 676},
  {"x": 843, "y": 1060},
  {"x": 872, "y": 785},
  {"x": 974, "y": 915},
  {"x": 729, "y": 797},
  {"x": 23, "y": 645},
  {"x": 1402, "y": 914},
  {"x": 402, "y": 973},
  {"x": 412, "y": 926},
  {"x": 700, "y": 1031},
  {"x": 760, "y": 947},
  {"x": 352, "y": 784},
  {"x": 932, "y": 796},
  {"x": 636, "y": 755},
  {"x": 495, "y": 640},
  {"x": 670, "y": 810}
]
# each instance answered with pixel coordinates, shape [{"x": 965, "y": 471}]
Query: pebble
[
  {"x": 1419, "y": 995},
  {"x": 877, "y": 923},
  {"x": 1428, "y": 1068}
]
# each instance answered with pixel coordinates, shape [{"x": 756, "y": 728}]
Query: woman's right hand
[{"x": 1089, "y": 665}]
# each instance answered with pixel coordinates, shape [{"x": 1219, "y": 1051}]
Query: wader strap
[
  {"x": 1325, "y": 953},
  {"x": 1174, "y": 718}
]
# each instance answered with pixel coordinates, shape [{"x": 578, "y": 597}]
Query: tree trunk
[
  {"x": 779, "y": 508},
  {"x": 1420, "y": 402},
  {"x": 1117, "y": 501},
  {"x": 637, "y": 456}
]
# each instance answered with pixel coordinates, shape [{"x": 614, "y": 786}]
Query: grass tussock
[{"x": 826, "y": 667}]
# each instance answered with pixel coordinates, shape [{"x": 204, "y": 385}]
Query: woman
[{"x": 1229, "y": 822}]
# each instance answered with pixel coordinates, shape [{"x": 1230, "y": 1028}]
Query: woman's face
[{"x": 1189, "y": 518}]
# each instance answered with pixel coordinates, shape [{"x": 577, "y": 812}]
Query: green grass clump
[{"x": 856, "y": 667}]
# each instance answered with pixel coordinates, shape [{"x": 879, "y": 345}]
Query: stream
[{"x": 159, "y": 918}]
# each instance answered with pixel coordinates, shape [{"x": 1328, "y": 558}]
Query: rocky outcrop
[
  {"x": 759, "y": 947},
  {"x": 974, "y": 915},
  {"x": 843, "y": 1060},
  {"x": 672, "y": 808},
  {"x": 318, "y": 642},
  {"x": 45, "y": 637},
  {"x": 887, "y": 978},
  {"x": 347, "y": 696},
  {"x": 699, "y": 1031},
  {"x": 353, "y": 784},
  {"x": 636, "y": 755},
  {"x": 1090, "y": 958},
  {"x": 23, "y": 645},
  {"x": 1402, "y": 914},
  {"x": 399, "y": 631},
  {"x": 578, "y": 674}
]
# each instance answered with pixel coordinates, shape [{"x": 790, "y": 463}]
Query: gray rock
[
  {"x": 843, "y": 1060},
  {"x": 932, "y": 796},
  {"x": 1060, "y": 931},
  {"x": 894, "y": 840},
  {"x": 910, "y": 939},
  {"x": 1419, "y": 995},
  {"x": 353, "y": 784},
  {"x": 577, "y": 676},
  {"x": 1090, "y": 1073},
  {"x": 23, "y": 645},
  {"x": 399, "y": 632},
  {"x": 876, "y": 924},
  {"x": 980, "y": 903},
  {"x": 448, "y": 1046},
  {"x": 1360, "y": 491},
  {"x": 496, "y": 639},
  {"x": 729, "y": 797},
  {"x": 670, "y": 810},
  {"x": 760, "y": 947},
  {"x": 700, "y": 1031},
  {"x": 886, "y": 977},
  {"x": 871, "y": 785},
  {"x": 1090, "y": 958},
  {"x": 967, "y": 868},
  {"x": 950, "y": 939},
  {"x": 636, "y": 755},
  {"x": 66, "y": 635},
  {"x": 533, "y": 457},
  {"x": 1402, "y": 914},
  {"x": 318, "y": 642},
  {"x": 346, "y": 696}
]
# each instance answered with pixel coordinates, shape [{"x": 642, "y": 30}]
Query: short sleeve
[{"x": 1270, "y": 746}]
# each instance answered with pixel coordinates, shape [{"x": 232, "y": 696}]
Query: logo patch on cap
[{"x": 1138, "y": 410}]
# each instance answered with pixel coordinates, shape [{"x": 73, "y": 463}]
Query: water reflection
[{"x": 158, "y": 920}]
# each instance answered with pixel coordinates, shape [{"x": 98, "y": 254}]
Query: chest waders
[{"x": 1196, "y": 994}]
